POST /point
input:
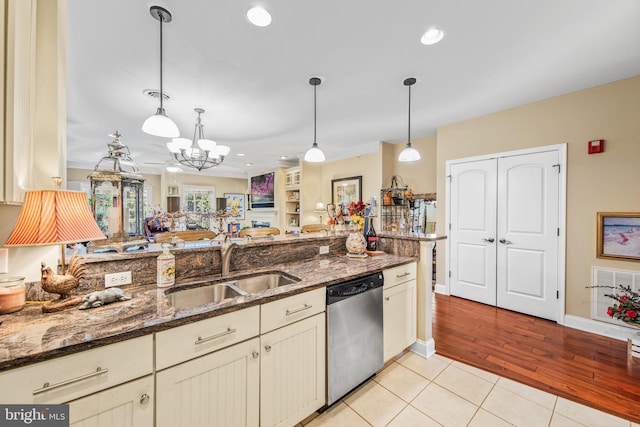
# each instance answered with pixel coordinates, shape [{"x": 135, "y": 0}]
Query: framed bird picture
[
  {"x": 235, "y": 204},
  {"x": 619, "y": 236}
]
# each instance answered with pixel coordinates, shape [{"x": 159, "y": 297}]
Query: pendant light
[
  {"x": 409, "y": 154},
  {"x": 314, "y": 154},
  {"x": 159, "y": 124}
]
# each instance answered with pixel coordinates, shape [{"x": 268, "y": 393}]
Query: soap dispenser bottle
[{"x": 166, "y": 274}]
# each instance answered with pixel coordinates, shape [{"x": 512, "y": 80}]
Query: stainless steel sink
[
  {"x": 262, "y": 282},
  {"x": 193, "y": 297}
]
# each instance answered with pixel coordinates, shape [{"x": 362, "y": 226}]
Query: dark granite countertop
[{"x": 29, "y": 336}]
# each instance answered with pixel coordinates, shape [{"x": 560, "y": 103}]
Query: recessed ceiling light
[
  {"x": 432, "y": 36},
  {"x": 240, "y": 154},
  {"x": 258, "y": 16},
  {"x": 248, "y": 164},
  {"x": 283, "y": 157}
]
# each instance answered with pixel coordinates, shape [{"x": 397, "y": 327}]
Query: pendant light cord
[
  {"x": 409, "y": 126},
  {"x": 161, "y": 92},
  {"x": 315, "y": 106}
]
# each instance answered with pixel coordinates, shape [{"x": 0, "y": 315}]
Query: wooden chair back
[
  {"x": 314, "y": 228},
  {"x": 187, "y": 236},
  {"x": 259, "y": 232}
]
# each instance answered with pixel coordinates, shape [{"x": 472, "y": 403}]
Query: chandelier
[{"x": 200, "y": 153}]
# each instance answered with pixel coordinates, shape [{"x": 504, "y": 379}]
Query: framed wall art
[
  {"x": 618, "y": 235},
  {"x": 235, "y": 204},
  {"x": 263, "y": 191},
  {"x": 346, "y": 190}
]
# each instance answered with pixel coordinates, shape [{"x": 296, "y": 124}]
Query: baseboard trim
[
  {"x": 441, "y": 289},
  {"x": 622, "y": 333},
  {"x": 424, "y": 349}
]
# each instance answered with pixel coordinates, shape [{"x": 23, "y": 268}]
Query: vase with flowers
[
  {"x": 626, "y": 306},
  {"x": 356, "y": 243},
  {"x": 357, "y": 212}
]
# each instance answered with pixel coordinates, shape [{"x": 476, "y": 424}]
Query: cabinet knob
[
  {"x": 267, "y": 347},
  {"x": 255, "y": 354},
  {"x": 386, "y": 298},
  {"x": 144, "y": 399}
]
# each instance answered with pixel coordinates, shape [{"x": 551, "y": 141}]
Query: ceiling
[{"x": 253, "y": 82}]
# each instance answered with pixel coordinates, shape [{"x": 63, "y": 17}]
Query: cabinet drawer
[
  {"x": 282, "y": 312},
  {"x": 70, "y": 377},
  {"x": 186, "y": 342},
  {"x": 396, "y": 275}
]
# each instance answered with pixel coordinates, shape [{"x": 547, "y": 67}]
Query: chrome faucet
[{"x": 225, "y": 254}]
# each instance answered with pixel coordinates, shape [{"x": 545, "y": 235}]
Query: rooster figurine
[{"x": 62, "y": 284}]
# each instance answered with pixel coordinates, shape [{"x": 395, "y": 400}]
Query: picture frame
[
  {"x": 263, "y": 191},
  {"x": 172, "y": 190},
  {"x": 618, "y": 236},
  {"x": 346, "y": 190},
  {"x": 236, "y": 200}
]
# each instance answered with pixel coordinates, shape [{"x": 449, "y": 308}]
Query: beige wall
[{"x": 598, "y": 182}]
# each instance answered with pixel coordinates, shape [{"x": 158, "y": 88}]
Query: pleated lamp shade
[{"x": 50, "y": 217}]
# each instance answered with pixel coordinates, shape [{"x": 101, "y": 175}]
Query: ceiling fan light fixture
[
  {"x": 314, "y": 154},
  {"x": 409, "y": 154},
  {"x": 259, "y": 16},
  {"x": 432, "y": 36},
  {"x": 160, "y": 124}
]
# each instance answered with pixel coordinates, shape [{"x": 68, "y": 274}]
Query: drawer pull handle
[
  {"x": 47, "y": 386},
  {"x": 405, "y": 274},
  {"x": 298, "y": 310},
  {"x": 201, "y": 340},
  {"x": 144, "y": 399}
]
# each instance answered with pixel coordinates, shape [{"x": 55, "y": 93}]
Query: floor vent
[{"x": 609, "y": 277}]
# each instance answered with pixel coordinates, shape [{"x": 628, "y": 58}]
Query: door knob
[
  {"x": 505, "y": 241},
  {"x": 489, "y": 240}
]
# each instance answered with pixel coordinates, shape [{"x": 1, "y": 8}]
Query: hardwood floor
[{"x": 586, "y": 368}]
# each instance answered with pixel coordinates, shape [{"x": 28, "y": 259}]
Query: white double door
[{"x": 504, "y": 228}]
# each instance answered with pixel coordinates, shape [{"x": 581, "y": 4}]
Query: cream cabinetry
[
  {"x": 292, "y": 195},
  {"x": 292, "y": 363},
  {"x": 218, "y": 389},
  {"x": 399, "y": 309},
  {"x": 78, "y": 375},
  {"x": 129, "y": 404}
]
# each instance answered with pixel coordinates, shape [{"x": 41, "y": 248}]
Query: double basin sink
[{"x": 205, "y": 293}]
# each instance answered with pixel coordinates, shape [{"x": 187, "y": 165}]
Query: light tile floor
[{"x": 413, "y": 391}]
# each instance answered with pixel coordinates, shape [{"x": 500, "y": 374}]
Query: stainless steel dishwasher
[{"x": 354, "y": 334}]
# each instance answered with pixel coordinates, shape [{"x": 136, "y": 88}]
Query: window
[{"x": 198, "y": 200}]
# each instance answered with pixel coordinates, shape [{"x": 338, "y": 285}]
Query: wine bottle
[{"x": 372, "y": 238}]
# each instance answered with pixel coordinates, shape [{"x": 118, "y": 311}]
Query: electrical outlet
[
  {"x": 117, "y": 279},
  {"x": 324, "y": 250}
]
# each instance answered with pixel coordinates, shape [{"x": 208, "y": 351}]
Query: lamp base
[{"x": 56, "y": 305}]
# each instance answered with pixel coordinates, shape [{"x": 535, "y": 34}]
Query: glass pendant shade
[
  {"x": 160, "y": 125},
  {"x": 314, "y": 154},
  {"x": 409, "y": 154}
]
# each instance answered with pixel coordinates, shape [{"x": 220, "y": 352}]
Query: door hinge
[
  {"x": 557, "y": 294},
  {"x": 449, "y": 273},
  {"x": 557, "y": 166},
  {"x": 449, "y": 226},
  {"x": 449, "y": 177},
  {"x": 558, "y": 231}
]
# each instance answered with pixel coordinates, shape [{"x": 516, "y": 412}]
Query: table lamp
[
  {"x": 319, "y": 209},
  {"x": 50, "y": 217}
]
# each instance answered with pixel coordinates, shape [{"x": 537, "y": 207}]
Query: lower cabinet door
[
  {"x": 126, "y": 405},
  {"x": 218, "y": 389},
  {"x": 292, "y": 382},
  {"x": 400, "y": 320}
]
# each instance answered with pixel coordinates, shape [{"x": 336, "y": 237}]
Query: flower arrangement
[
  {"x": 626, "y": 306},
  {"x": 357, "y": 211}
]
